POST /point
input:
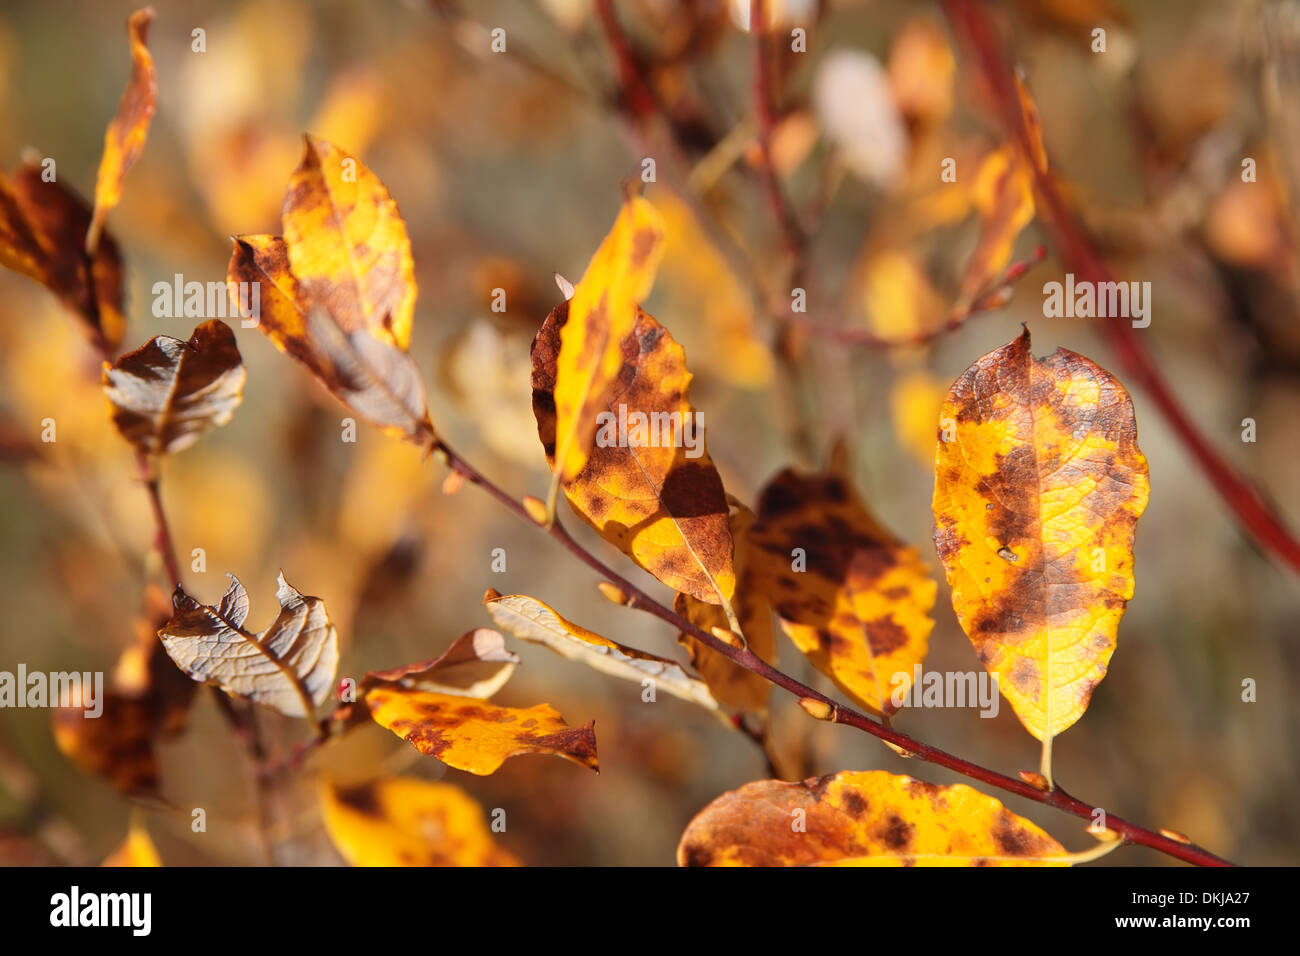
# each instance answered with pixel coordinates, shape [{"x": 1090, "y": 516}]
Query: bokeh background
[{"x": 507, "y": 168}]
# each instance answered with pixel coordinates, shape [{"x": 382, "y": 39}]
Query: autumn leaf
[
  {"x": 1036, "y": 496},
  {"x": 867, "y": 818},
  {"x": 42, "y": 235},
  {"x": 662, "y": 507},
  {"x": 476, "y": 735},
  {"x": 290, "y": 666},
  {"x": 363, "y": 369},
  {"x": 126, "y": 134},
  {"x": 476, "y": 665},
  {"x": 604, "y": 311},
  {"x": 136, "y": 850},
  {"x": 167, "y": 392},
  {"x": 530, "y": 620},
  {"x": 733, "y": 685},
  {"x": 405, "y": 821},
  {"x": 347, "y": 245},
  {"x": 850, "y": 596},
  {"x": 1003, "y": 195}
]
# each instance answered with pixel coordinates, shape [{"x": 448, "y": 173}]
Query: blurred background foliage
[{"x": 507, "y": 168}]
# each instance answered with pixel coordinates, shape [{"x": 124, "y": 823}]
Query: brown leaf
[
  {"x": 476, "y": 665},
  {"x": 290, "y": 666},
  {"x": 124, "y": 140},
  {"x": 167, "y": 392}
]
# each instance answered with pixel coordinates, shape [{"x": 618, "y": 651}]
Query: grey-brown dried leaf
[{"x": 476, "y": 665}]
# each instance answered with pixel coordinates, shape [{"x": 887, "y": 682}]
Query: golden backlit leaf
[
  {"x": 530, "y": 620},
  {"x": 1035, "y": 502},
  {"x": 347, "y": 245},
  {"x": 136, "y": 850},
  {"x": 731, "y": 684},
  {"x": 56, "y": 220},
  {"x": 290, "y": 666},
  {"x": 476, "y": 665},
  {"x": 861, "y": 608},
  {"x": 365, "y": 371},
  {"x": 405, "y": 821},
  {"x": 662, "y": 503},
  {"x": 867, "y": 818},
  {"x": 604, "y": 310},
  {"x": 477, "y": 736},
  {"x": 126, "y": 134},
  {"x": 167, "y": 392}
]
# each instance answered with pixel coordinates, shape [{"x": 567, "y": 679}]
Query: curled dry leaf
[
  {"x": 42, "y": 235},
  {"x": 731, "y": 684},
  {"x": 408, "y": 822},
  {"x": 663, "y": 508},
  {"x": 869, "y": 818},
  {"x": 124, "y": 140},
  {"x": 604, "y": 311},
  {"x": 337, "y": 293},
  {"x": 476, "y": 735},
  {"x": 1035, "y": 502},
  {"x": 860, "y": 609},
  {"x": 167, "y": 392},
  {"x": 476, "y": 665},
  {"x": 290, "y": 666},
  {"x": 530, "y": 620}
]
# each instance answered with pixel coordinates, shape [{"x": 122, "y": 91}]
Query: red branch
[{"x": 1081, "y": 257}]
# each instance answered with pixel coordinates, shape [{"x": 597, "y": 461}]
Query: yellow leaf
[
  {"x": 290, "y": 666},
  {"x": 365, "y": 371},
  {"x": 914, "y": 403},
  {"x": 347, "y": 245},
  {"x": 604, "y": 311},
  {"x": 476, "y": 735},
  {"x": 1035, "y": 503},
  {"x": 849, "y": 595},
  {"x": 124, "y": 140},
  {"x": 530, "y": 620},
  {"x": 136, "y": 850},
  {"x": 476, "y": 665},
  {"x": 405, "y": 821},
  {"x": 868, "y": 818},
  {"x": 730, "y": 683},
  {"x": 167, "y": 392},
  {"x": 654, "y": 494}
]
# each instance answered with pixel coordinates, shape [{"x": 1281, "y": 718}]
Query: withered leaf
[
  {"x": 1035, "y": 502},
  {"x": 476, "y": 665},
  {"x": 167, "y": 392},
  {"x": 476, "y": 735},
  {"x": 42, "y": 231},
  {"x": 406, "y": 821},
  {"x": 124, "y": 140},
  {"x": 658, "y": 501},
  {"x": 290, "y": 666},
  {"x": 530, "y": 620},
  {"x": 869, "y": 818},
  {"x": 860, "y": 609}
]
